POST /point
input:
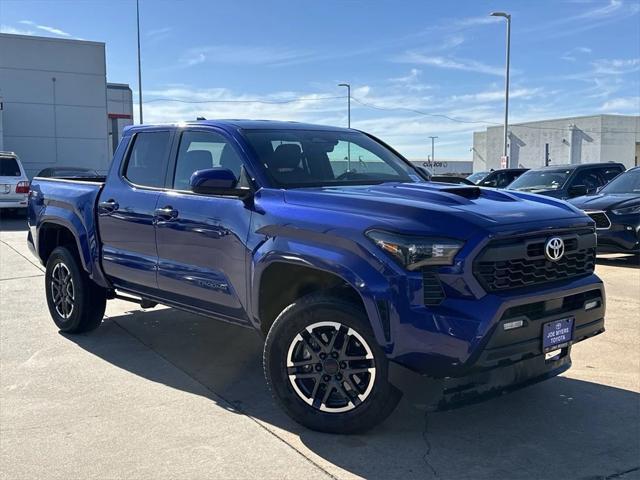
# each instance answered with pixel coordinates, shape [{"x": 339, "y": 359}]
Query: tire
[
  {"x": 300, "y": 357},
  {"x": 75, "y": 302}
]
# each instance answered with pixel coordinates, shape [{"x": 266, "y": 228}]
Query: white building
[
  {"x": 119, "y": 112},
  {"x": 54, "y": 102},
  {"x": 597, "y": 138},
  {"x": 446, "y": 166}
]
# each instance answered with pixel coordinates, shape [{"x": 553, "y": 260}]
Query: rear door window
[
  {"x": 609, "y": 173},
  {"x": 9, "y": 167},
  {"x": 147, "y": 163},
  {"x": 589, "y": 178}
]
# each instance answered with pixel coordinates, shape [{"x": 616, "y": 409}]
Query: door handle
[
  {"x": 108, "y": 207},
  {"x": 166, "y": 213}
]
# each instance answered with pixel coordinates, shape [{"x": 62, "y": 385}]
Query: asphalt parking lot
[{"x": 163, "y": 394}]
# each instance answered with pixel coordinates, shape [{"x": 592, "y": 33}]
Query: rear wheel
[
  {"x": 75, "y": 302},
  {"x": 325, "y": 367}
]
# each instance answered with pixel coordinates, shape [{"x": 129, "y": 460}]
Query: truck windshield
[
  {"x": 540, "y": 180},
  {"x": 309, "y": 158},
  {"x": 628, "y": 182},
  {"x": 477, "y": 177}
]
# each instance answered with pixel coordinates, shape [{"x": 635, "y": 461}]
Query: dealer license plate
[{"x": 557, "y": 334}]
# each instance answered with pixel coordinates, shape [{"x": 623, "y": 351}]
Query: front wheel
[
  {"x": 75, "y": 302},
  {"x": 325, "y": 367}
]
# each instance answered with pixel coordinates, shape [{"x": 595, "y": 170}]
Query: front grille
[
  {"x": 520, "y": 262},
  {"x": 601, "y": 219},
  {"x": 432, "y": 288}
]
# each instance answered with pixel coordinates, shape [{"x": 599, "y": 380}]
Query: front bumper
[
  {"x": 620, "y": 238},
  {"x": 465, "y": 337}
]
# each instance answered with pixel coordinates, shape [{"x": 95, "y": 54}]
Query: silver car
[{"x": 14, "y": 183}]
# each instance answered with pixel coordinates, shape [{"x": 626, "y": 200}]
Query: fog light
[
  {"x": 592, "y": 304},
  {"x": 512, "y": 325}
]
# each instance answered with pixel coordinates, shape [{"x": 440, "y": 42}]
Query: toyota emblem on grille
[{"x": 554, "y": 249}]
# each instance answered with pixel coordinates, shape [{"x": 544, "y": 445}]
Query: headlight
[
  {"x": 626, "y": 210},
  {"x": 415, "y": 252}
]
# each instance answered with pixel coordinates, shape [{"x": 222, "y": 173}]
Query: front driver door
[{"x": 201, "y": 238}]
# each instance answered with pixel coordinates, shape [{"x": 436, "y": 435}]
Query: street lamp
[
  {"x": 506, "y": 87},
  {"x": 348, "y": 85},
  {"x": 432, "y": 149},
  {"x": 348, "y": 102},
  {"x": 139, "y": 69}
]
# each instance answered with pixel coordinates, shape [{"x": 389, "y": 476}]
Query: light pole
[
  {"x": 432, "y": 149},
  {"x": 139, "y": 68},
  {"x": 348, "y": 85},
  {"x": 506, "y": 84}
]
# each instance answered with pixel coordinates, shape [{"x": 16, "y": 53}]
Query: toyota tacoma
[{"x": 336, "y": 249}]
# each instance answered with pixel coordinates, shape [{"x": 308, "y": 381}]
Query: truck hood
[
  {"x": 606, "y": 202},
  {"x": 434, "y": 206}
]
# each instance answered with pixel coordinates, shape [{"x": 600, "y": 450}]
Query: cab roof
[{"x": 244, "y": 124}]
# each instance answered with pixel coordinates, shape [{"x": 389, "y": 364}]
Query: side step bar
[{"x": 143, "y": 302}]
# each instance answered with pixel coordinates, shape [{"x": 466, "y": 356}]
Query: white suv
[{"x": 14, "y": 183}]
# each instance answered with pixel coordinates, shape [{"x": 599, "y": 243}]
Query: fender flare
[
  {"x": 366, "y": 281},
  {"x": 87, "y": 248}
]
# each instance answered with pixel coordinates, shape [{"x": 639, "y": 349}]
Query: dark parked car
[
  {"x": 500, "y": 178},
  {"x": 67, "y": 172},
  {"x": 567, "y": 181},
  {"x": 451, "y": 179},
  {"x": 616, "y": 211}
]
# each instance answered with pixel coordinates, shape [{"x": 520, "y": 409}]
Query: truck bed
[{"x": 69, "y": 202}]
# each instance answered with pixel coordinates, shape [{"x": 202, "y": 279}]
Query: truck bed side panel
[{"x": 71, "y": 204}]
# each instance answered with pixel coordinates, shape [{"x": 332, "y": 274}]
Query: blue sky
[{"x": 574, "y": 57}]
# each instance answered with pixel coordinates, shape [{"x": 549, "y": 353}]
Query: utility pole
[
  {"x": 139, "y": 68},
  {"x": 506, "y": 83},
  {"x": 348, "y": 85},
  {"x": 432, "y": 149}
]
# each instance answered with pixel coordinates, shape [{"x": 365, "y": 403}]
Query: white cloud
[
  {"x": 622, "y": 105},
  {"x": 449, "y": 63},
  {"x": 46, "y": 28},
  {"x": 410, "y": 82},
  {"x": 616, "y": 66},
  {"x": 15, "y": 31},
  {"x": 498, "y": 95},
  {"x": 611, "y": 8},
  {"x": 571, "y": 55},
  {"x": 242, "y": 55}
]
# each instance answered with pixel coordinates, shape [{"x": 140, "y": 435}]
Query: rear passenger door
[
  {"x": 201, "y": 244},
  {"x": 126, "y": 212}
]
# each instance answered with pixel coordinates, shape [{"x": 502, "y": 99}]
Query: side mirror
[
  {"x": 217, "y": 181},
  {"x": 577, "y": 191}
]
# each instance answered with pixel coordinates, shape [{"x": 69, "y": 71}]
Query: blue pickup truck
[{"x": 333, "y": 246}]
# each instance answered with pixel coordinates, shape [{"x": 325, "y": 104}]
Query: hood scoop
[{"x": 467, "y": 192}]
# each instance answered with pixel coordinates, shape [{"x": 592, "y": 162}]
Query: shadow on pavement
[
  {"x": 13, "y": 223},
  {"x": 629, "y": 261},
  {"x": 562, "y": 428}
]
